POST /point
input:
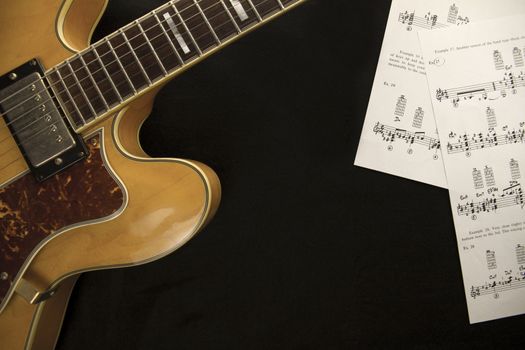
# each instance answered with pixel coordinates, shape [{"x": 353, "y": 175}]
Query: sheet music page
[
  {"x": 399, "y": 135},
  {"x": 477, "y": 84}
]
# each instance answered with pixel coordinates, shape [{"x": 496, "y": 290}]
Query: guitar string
[
  {"x": 110, "y": 89},
  {"x": 154, "y": 64},
  {"x": 126, "y": 42},
  {"x": 228, "y": 21},
  {"x": 151, "y": 65},
  {"x": 90, "y": 74},
  {"x": 99, "y": 70},
  {"x": 100, "y": 41},
  {"x": 154, "y": 12}
]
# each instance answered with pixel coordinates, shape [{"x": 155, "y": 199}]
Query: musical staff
[
  {"x": 511, "y": 196},
  {"x": 510, "y": 82},
  {"x": 468, "y": 143},
  {"x": 391, "y": 134},
  {"x": 509, "y": 281},
  {"x": 496, "y": 287},
  {"x": 475, "y": 69},
  {"x": 429, "y": 21}
]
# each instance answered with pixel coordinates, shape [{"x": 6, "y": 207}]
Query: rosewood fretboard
[{"x": 150, "y": 49}]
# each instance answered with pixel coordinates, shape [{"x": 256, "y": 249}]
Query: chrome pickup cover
[
  {"x": 34, "y": 119},
  {"x": 37, "y": 123}
]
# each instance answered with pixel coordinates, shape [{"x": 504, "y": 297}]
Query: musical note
[
  {"x": 429, "y": 21},
  {"x": 391, "y": 134},
  {"x": 479, "y": 140},
  {"x": 510, "y": 196},
  {"x": 510, "y": 82},
  {"x": 462, "y": 20},
  {"x": 511, "y": 278},
  {"x": 468, "y": 143},
  {"x": 494, "y": 288}
]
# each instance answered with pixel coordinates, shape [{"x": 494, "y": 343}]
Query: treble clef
[
  {"x": 441, "y": 94},
  {"x": 378, "y": 128}
]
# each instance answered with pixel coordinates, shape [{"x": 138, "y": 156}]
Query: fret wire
[
  {"x": 168, "y": 37},
  {"x": 135, "y": 55},
  {"x": 152, "y": 49},
  {"x": 81, "y": 88},
  {"x": 69, "y": 118},
  {"x": 62, "y": 105},
  {"x": 69, "y": 95},
  {"x": 186, "y": 27},
  {"x": 106, "y": 39},
  {"x": 183, "y": 23},
  {"x": 255, "y": 10},
  {"x": 207, "y": 22},
  {"x": 107, "y": 73},
  {"x": 280, "y": 4},
  {"x": 231, "y": 17},
  {"x": 117, "y": 60},
  {"x": 72, "y": 101},
  {"x": 94, "y": 83}
]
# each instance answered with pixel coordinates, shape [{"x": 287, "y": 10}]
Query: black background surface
[{"x": 307, "y": 251}]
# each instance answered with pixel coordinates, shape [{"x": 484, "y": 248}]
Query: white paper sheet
[
  {"x": 399, "y": 135},
  {"x": 477, "y": 86}
]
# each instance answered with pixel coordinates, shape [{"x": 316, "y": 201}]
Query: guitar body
[{"x": 116, "y": 208}]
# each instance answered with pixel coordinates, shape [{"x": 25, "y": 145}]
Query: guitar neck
[{"x": 101, "y": 79}]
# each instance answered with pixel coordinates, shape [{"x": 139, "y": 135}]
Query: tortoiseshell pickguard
[{"x": 31, "y": 212}]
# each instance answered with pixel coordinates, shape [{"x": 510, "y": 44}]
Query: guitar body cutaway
[{"x": 147, "y": 207}]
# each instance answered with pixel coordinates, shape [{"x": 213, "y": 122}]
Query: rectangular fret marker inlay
[
  {"x": 237, "y": 6},
  {"x": 175, "y": 31}
]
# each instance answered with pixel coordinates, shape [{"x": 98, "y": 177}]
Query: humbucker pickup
[{"x": 37, "y": 122}]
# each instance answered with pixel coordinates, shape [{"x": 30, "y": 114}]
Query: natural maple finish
[
  {"x": 32, "y": 212},
  {"x": 169, "y": 199}
]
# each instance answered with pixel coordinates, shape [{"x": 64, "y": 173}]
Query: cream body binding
[{"x": 170, "y": 202}]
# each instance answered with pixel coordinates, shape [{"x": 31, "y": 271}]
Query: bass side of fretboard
[{"x": 150, "y": 49}]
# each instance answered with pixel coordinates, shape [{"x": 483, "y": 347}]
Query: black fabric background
[{"x": 307, "y": 251}]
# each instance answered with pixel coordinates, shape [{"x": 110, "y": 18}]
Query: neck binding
[{"x": 145, "y": 53}]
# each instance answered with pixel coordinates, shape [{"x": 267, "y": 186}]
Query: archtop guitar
[{"x": 77, "y": 192}]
